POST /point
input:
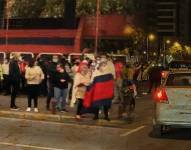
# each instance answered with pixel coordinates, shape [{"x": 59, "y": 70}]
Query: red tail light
[
  {"x": 163, "y": 74},
  {"x": 161, "y": 96}
]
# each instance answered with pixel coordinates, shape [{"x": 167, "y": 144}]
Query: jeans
[
  {"x": 60, "y": 97},
  {"x": 117, "y": 91},
  {"x": 50, "y": 94}
]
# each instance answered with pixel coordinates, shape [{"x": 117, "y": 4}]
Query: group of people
[{"x": 90, "y": 85}]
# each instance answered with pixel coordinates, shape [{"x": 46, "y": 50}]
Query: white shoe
[
  {"x": 28, "y": 109},
  {"x": 36, "y": 110}
]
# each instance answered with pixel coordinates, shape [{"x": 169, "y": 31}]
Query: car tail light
[
  {"x": 160, "y": 95},
  {"x": 163, "y": 74}
]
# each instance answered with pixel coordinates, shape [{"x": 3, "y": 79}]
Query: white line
[
  {"x": 132, "y": 131},
  {"x": 28, "y": 146}
]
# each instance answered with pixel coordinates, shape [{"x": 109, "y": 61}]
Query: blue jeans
[{"x": 60, "y": 97}]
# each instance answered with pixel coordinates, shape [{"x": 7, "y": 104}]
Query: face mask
[
  {"x": 55, "y": 60},
  {"x": 5, "y": 61}
]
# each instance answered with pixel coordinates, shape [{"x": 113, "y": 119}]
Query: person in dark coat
[
  {"x": 60, "y": 83},
  {"x": 51, "y": 70},
  {"x": 154, "y": 77},
  {"x": 15, "y": 75}
]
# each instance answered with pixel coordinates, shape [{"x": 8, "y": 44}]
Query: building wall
[
  {"x": 109, "y": 25},
  {"x": 184, "y": 21}
]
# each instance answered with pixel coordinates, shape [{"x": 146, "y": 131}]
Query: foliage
[
  {"x": 180, "y": 52},
  {"x": 55, "y": 8},
  {"x": 27, "y": 8},
  {"x": 88, "y": 7}
]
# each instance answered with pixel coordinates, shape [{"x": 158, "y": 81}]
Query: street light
[
  {"x": 150, "y": 37},
  {"x": 164, "y": 58}
]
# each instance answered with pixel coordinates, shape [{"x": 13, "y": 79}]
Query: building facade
[{"x": 170, "y": 19}]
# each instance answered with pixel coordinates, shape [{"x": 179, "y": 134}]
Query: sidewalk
[{"x": 66, "y": 117}]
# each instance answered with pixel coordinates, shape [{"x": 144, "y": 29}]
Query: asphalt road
[{"x": 35, "y": 135}]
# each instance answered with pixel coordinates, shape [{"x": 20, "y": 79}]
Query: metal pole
[
  {"x": 164, "y": 55},
  {"x": 97, "y": 27},
  {"x": 147, "y": 49},
  {"x": 7, "y": 23}
]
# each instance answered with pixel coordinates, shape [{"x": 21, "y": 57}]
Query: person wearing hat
[{"x": 15, "y": 75}]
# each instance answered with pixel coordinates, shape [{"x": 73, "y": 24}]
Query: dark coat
[
  {"x": 57, "y": 76},
  {"x": 14, "y": 71}
]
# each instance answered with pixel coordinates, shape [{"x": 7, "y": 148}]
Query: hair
[{"x": 31, "y": 62}]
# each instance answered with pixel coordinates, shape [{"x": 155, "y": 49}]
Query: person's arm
[{"x": 41, "y": 74}]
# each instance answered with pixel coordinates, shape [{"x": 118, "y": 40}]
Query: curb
[{"x": 62, "y": 119}]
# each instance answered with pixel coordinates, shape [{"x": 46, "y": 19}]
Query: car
[{"x": 172, "y": 101}]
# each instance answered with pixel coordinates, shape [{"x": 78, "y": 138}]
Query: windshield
[{"x": 180, "y": 79}]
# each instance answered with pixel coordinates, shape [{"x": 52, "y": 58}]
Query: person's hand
[
  {"x": 81, "y": 84},
  {"x": 135, "y": 93}
]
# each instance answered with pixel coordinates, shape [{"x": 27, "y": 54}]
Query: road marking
[
  {"x": 28, "y": 146},
  {"x": 132, "y": 131}
]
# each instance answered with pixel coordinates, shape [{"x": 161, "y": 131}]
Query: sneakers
[
  {"x": 28, "y": 109},
  {"x": 36, "y": 110}
]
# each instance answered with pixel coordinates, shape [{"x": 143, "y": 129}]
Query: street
[{"x": 20, "y": 134}]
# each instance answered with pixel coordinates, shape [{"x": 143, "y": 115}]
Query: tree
[
  {"x": 88, "y": 7},
  {"x": 53, "y": 9},
  {"x": 180, "y": 52},
  {"x": 2, "y": 6},
  {"x": 70, "y": 12},
  {"x": 27, "y": 8}
]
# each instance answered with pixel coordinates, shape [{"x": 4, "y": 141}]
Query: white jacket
[{"x": 34, "y": 75}]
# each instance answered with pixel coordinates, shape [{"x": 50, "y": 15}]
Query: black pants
[
  {"x": 50, "y": 95},
  {"x": 23, "y": 83},
  {"x": 14, "y": 85},
  {"x": 6, "y": 84},
  {"x": 106, "y": 112},
  {"x": 32, "y": 91},
  {"x": 79, "y": 107},
  {"x": 153, "y": 84}
]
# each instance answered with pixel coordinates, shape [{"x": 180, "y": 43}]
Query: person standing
[
  {"x": 15, "y": 75},
  {"x": 51, "y": 70},
  {"x": 81, "y": 81},
  {"x": 1, "y": 74},
  {"x": 6, "y": 79},
  {"x": 60, "y": 83},
  {"x": 34, "y": 77},
  {"x": 101, "y": 91}
]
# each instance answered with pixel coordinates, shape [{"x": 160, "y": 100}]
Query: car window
[{"x": 180, "y": 79}]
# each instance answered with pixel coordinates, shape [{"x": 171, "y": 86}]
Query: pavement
[
  {"x": 69, "y": 117},
  {"x": 65, "y": 117},
  {"x": 33, "y": 132},
  {"x": 44, "y": 115}
]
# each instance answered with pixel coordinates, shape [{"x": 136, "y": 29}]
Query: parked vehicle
[{"x": 172, "y": 101}]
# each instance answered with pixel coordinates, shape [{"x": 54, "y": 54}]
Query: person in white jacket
[{"x": 34, "y": 77}]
